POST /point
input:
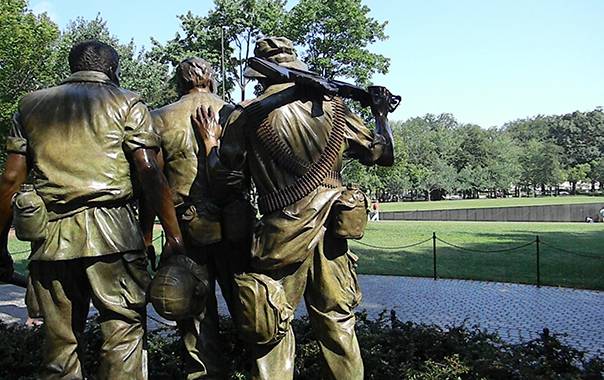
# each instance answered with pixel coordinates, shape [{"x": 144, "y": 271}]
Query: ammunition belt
[{"x": 310, "y": 176}]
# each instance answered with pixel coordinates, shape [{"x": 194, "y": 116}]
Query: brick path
[{"x": 517, "y": 312}]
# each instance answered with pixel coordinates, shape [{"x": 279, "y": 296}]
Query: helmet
[{"x": 179, "y": 289}]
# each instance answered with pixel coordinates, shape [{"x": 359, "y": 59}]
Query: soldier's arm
[
  {"x": 141, "y": 143},
  {"x": 15, "y": 173},
  {"x": 370, "y": 147},
  {"x": 156, "y": 192}
]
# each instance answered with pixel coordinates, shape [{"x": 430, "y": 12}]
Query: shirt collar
[{"x": 89, "y": 76}]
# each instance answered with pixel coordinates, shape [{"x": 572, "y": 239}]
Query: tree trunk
[{"x": 573, "y": 185}]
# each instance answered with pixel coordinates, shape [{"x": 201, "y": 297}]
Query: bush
[{"x": 391, "y": 349}]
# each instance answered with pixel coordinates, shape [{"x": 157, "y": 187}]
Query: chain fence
[{"x": 537, "y": 242}]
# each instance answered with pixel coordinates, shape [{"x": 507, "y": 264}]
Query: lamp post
[{"x": 222, "y": 60}]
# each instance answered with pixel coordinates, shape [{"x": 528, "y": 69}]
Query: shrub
[{"x": 391, "y": 349}]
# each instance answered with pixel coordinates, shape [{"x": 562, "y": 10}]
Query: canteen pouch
[
  {"x": 349, "y": 214},
  {"x": 262, "y": 312},
  {"x": 201, "y": 228},
  {"x": 30, "y": 217}
]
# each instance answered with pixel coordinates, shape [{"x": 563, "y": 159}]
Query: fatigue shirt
[
  {"x": 184, "y": 165},
  {"x": 289, "y": 235},
  {"x": 77, "y": 137}
]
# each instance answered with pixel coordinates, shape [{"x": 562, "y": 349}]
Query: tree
[
  {"x": 244, "y": 22},
  {"x": 26, "y": 42},
  {"x": 576, "y": 174},
  {"x": 139, "y": 72},
  {"x": 335, "y": 35},
  {"x": 580, "y": 135},
  {"x": 541, "y": 164}
]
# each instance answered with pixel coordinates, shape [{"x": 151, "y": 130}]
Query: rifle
[{"x": 282, "y": 74}]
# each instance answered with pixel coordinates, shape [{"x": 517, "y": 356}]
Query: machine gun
[{"x": 281, "y": 74}]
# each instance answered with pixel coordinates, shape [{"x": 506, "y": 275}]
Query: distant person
[
  {"x": 601, "y": 215},
  {"x": 375, "y": 211}
]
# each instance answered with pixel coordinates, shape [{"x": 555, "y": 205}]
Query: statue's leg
[
  {"x": 118, "y": 283},
  {"x": 205, "y": 359},
  {"x": 331, "y": 296},
  {"x": 277, "y": 361},
  {"x": 63, "y": 297}
]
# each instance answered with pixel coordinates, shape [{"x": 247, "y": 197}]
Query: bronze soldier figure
[
  {"x": 79, "y": 140},
  {"x": 216, "y": 229},
  {"x": 292, "y": 140}
]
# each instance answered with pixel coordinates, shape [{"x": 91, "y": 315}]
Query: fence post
[
  {"x": 434, "y": 254},
  {"x": 538, "y": 264}
]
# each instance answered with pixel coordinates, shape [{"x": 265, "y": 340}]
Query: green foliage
[
  {"x": 139, "y": 72},
  {"x": 335, "y": 36},
  {"x": 391, "y": 349},
  {"x": 26, "y": 42}
]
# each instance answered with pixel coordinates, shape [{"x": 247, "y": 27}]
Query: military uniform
[
  {"x": 185, "y": 169},
  {"x": 77, "y": 137},
  {"x": 293, "y": 245}
]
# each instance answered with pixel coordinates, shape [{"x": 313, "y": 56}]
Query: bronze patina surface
[
  {"x": 202, "y": 216},
  {"x": 80, "y": 141},
  {"x": 294, "y": 252}
]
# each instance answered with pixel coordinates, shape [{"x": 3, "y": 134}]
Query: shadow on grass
[{"x": 566, "y": 259}]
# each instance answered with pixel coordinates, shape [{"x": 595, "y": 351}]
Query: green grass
[
  {"x": 557, "y": 268},
  {"x": 482, "y": 203}
]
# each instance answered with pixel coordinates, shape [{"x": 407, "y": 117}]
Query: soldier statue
[
  {"x": 216, "y": 230},
  {"x": 292, "y": 140},
  {"x": 81, "y": 142}
]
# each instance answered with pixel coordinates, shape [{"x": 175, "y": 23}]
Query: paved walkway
[{"x": 517, "y": 312}]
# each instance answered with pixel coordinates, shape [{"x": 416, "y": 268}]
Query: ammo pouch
[
  {"x": 261, "y": 310},
  {"x": 29, "y": 214},
  {"x": 348, "y": 217},
  {"x": 200, "y": 227}
]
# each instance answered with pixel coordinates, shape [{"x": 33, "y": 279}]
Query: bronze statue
[
  {"x": 216, "y": 229},
  {"x": 291, "y": 140},
  {"x": 79, "y": 141}
]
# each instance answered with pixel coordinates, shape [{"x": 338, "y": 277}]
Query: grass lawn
[
  {"x": 557, "y": 268},
  {"x": 481, "y": 203}
]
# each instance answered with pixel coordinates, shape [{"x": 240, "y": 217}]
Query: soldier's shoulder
[
  {"x": 34, "y": 97},
  {"x": 129, "y": 95}
]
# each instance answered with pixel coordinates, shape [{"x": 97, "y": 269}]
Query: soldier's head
[
  {"x": 279, "y": 50},
  {"x": 94, "y": 55},
  {"x": 194, "y": 73}
]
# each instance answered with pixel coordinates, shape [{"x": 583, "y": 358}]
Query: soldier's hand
[
  {"x": 172, "y": 247},
  {"x": 205, "y": 123},
  {"x": 7, "y": 267},
  {"x": 380, "y": 100}
]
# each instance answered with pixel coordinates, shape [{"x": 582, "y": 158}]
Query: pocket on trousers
[
  {"x": 137, "y": 279},
  {"x": 354, "y": 289}
]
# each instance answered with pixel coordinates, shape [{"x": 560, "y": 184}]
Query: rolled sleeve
[
  {"x": 139, "y": 132},
  {"x": 16, "y": 141}
]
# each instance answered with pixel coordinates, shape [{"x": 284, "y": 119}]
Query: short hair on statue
[
  {"x": 194, "y": 72},
  {"x": 93, "y": 55}
]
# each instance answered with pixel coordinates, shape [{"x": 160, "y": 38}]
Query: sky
[{"x": 485, "y": 62}]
